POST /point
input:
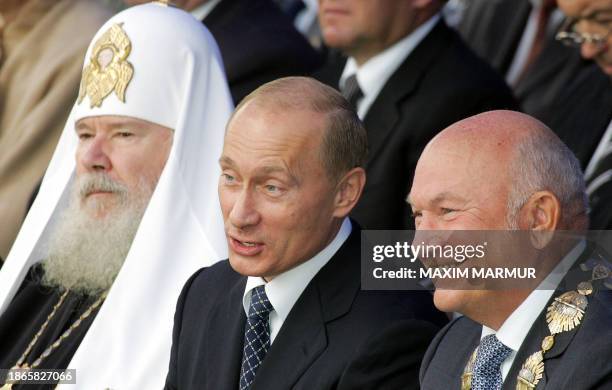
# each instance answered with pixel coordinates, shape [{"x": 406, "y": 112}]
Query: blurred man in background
[
  {"x": 408, "y": 75},
  {"x": 589, "y": 26},
  {"x": 258, "y": 42},
  {"x": 550, "y": 80}
]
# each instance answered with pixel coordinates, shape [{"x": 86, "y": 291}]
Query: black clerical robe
[{"x": 28, "y": 311}]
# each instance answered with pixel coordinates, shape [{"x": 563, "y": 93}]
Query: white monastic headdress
[{"x": 177, "y": 81}]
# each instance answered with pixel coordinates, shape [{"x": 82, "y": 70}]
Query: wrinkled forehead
[
  {"x": 460, "y": 167},
  {"x": 259, "y": 135},
  {"x": 108, "y": 122}
]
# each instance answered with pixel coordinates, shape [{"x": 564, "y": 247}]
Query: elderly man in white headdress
[{"x": 92, "y": 280}]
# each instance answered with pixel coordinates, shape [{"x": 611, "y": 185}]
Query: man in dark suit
[
  {"x": 518, "y": 39},
  {"x": 593, "y": 33},
  {"x": 258, "y": 42},
  {"x": 409, "y": 76},
  {"x": 518, "y": 176},
  {"x": 291, "y": 173}
]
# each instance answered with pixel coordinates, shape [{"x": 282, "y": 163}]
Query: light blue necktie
[{"x": 486, "y": 374}]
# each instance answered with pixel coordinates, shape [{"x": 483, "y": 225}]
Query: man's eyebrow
[
  {"x": 268, "y": 169},
  {"x": 224, "y": 160},
  {"x": 81, "y": 126},
  {"x": 446, "y": 195},
  {"x": 271, "y": 169}
]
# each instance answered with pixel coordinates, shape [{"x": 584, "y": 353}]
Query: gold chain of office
[{"x": 564, "y": 314}]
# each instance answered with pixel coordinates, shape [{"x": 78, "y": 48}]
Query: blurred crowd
[
  {"x": 107, "y": 105},
  {"x": 407, "y": 72}
]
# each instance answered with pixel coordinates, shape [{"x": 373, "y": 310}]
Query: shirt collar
[
  {"x": 513, "y": 331},
  {"x": 375, "y": 72},
  {"x": 285, "y": 289},
  {"x": 202, "y": 11}
]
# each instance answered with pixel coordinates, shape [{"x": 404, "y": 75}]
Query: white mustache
[{"x": 96, "y": 182}]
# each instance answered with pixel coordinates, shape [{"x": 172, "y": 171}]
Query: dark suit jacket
[
  {"x": 601, "y": 207},
  {"x": 258, "y": 44},
  {"x": 549, "y": 89},
  {"x": 439, "y": 83},
  {"x": 335, "y": 337},
  {"x": 579, "y": 359}
]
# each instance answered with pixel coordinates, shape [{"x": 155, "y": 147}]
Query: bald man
[{"x": 506, "y": 170}]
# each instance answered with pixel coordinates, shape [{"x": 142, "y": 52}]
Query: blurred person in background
[
  {"x": 258, "y": 42},
  {"x": 42, "y": 44},
  {"x": 589, "y": 27},
  {"x": 551, "y": 82},
  {"x": 304, "y": 16},
  {"x": 409, "y": 76}
]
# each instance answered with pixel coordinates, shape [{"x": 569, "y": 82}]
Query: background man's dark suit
[
  {"x": 336, "y": 336},
  {"x": 579, "y": 359},
  {"x": 493, "y": 29},
  {"x": 258, "y": 44},
  {"x": 439, "y": 83}
]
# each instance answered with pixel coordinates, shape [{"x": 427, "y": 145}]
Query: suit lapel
[
  {"x": 303, "y": 336},
  {"x": 553, "y": 59},
  {"x": 509, "y": 31},
  {"x": 226, "y": 331},
  {"x": 381, "y": 119},
  {"x": 539, "y": 330},
  {"x": 301, "y": 339}
]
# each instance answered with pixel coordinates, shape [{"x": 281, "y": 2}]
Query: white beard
[{"x": 85, "y": 253}]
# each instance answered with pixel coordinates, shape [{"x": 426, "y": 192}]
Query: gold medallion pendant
[
  {"x": 564, "y": 314},
  {"x": 108, "y": 69}
]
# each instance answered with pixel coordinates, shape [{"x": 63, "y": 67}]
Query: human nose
[
  {"x": 244, "y": 211},
  {"x": 94, "y": 156}
]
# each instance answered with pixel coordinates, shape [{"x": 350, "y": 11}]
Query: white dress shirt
[
  {"x": 202, "y": 11},
  {"x": 513, "y": 331},
  {"x": 285, "y": 289},
  {"x": 374, "y": 73}
]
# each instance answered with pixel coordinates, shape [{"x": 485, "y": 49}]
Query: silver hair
[{"x": 543, "y": 162}]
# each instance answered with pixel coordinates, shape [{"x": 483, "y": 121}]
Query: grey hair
[{"x": 543, "y": 162}]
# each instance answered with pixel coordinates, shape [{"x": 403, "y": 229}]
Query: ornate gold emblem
[
  {"x": 531, "y": 372},
  {"x": 108, "y": 69},
  {"x": 548, "y": 343},
  {"x": 566, "y": 312}
]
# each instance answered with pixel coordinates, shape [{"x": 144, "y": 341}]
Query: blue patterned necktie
[
  {"x": 256, "y": 336},
  {"x": 487, "y": 367}
]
